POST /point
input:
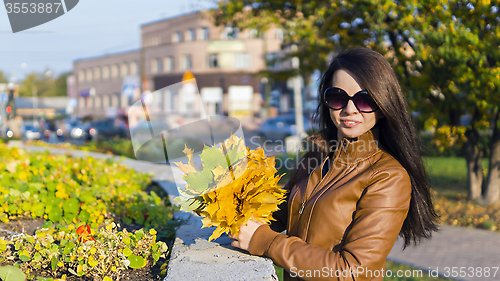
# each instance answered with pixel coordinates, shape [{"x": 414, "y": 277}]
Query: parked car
[
  {"x": 30, "y": 132},
  {"x": 280, "y": 127},
  {"x": 104, "y": 129},
  {"x": 69, "y": 126}
]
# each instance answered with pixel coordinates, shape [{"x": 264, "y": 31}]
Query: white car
[{"x": 30, "y": 132}]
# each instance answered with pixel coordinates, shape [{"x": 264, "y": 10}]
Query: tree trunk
[
  {"x": 473, "y": 157},
  {"x": 492, "y": 194}
]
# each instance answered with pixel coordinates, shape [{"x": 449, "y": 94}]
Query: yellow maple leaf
[
  {"x": 189, "y": 155},
  {"x": 246, "y": 190},
  {"x": 186, "y": 168}
]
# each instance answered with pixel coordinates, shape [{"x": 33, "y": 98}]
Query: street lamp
[{"x": 297, "y": 96}]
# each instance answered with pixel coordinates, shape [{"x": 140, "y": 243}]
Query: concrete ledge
[{"x": 194, "y": 258}]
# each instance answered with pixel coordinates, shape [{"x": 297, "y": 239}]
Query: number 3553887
[{"x": 32, "y": 8}]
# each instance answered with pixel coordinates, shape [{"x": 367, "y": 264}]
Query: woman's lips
[{"x": 349, "y": 123}]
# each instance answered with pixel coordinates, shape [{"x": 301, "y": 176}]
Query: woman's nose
[{"x": 350, "y": 108}]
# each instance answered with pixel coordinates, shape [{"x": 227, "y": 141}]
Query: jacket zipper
[{"x": 304, "y": 202}]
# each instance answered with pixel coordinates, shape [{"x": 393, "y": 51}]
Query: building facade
[{"x": 219, "y": 58}]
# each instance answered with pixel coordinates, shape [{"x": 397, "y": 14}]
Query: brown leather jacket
[{"x": 341, "y": 226}]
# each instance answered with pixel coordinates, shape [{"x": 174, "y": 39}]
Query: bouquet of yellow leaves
[{"x": 232, "y": 185}]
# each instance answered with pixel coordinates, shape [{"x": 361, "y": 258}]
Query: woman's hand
[{"x": 242, "y": 241}]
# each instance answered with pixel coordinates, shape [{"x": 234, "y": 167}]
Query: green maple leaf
[
  {"x": 211, "y": 157},
  {"x": 234, "y": 156},
  {"x": 199, "y": 181}
]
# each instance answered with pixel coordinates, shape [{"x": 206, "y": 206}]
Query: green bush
[
  {"x": 72, "y": 192},
  {"x": 432, "y": 150}
]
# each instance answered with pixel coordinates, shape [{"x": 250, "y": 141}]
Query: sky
[{"x": 92, "y": 28}]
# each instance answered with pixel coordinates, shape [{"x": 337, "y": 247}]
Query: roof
[
  {"x": 169, "y": 18},
  {"x": 107, "y": 55}
]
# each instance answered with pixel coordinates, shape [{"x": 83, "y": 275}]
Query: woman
[{"x": 343, "y": 215}]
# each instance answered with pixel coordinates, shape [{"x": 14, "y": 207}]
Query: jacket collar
[{"x": 357, "y": 149}]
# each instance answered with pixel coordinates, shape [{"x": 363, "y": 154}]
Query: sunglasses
[{"x": 336, "y": 99}]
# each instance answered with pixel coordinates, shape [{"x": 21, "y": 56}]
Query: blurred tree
[
  {"x": 445, "y": 52},
  {"x": 457, "y": 67},
  {"x": 35, "y": 82},
  {"x": 60, "y": 86},
  {"x": 45, "y": 86},
  {"x": 3, "y": 79}
]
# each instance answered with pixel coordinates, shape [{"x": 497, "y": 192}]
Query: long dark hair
[{"x": 397, "y": 134}]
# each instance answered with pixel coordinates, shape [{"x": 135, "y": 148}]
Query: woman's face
[{"x": 349, "y": 121}]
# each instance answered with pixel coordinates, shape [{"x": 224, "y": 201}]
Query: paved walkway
[{"x": 474, "y": 251}]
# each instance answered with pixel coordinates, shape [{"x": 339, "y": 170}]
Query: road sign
[
  {"x": 4, "y": 97},
  {"x": 128, "y": 90},
  {"x": 129, "y": 86}
]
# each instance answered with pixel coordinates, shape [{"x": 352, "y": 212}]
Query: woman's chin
[{"x": 351, "y": 133}]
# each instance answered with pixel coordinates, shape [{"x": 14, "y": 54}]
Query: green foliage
[
  {"x": 70, "y": 191},
  {"x": 432, "y": 148},
  {"x": 60, "y": 85},
  {"x": 43, "y": 85},
  {"x": 3, "y": 79},
  {"x": 11, "y": 273},
  {"x": 65, "y": 189},
  {"x": 59, "y": 251}
]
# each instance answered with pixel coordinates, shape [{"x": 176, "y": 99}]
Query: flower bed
[{"x": 93, "y": 196}]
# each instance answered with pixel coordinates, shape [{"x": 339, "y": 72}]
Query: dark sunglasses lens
[
  {"x": 364, "y": 102},
  {"x": 335, "y": 99}
]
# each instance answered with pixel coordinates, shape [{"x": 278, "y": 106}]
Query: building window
[
  {"x": 168, "y": 64},
  {"x": 203, "y": 33},
  {"x": 213, "y": 61},
  {"x": 241, "y": 61},
  {"x": 229, "y": 33},
  {"x": 186, "y": 62},
  {"x": 133, "y": 68},
  {"x": 155, "y": 66},
  {"x": 176, "y": 37},
  {"x": 123, "y": 70},
  {"x": 273, "y": 60},
  {"x": 190, "y": 35},
  {"x": 279, "y": 33},
  {"x": 114, "y": 71},
  {"x": 81, "y": 76},
  {"x": 89, "y": 75},
  {"x": 105, "y": 73},
  {"x": 155, "y": 41},
  {"x": 97, "y": 74}
]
